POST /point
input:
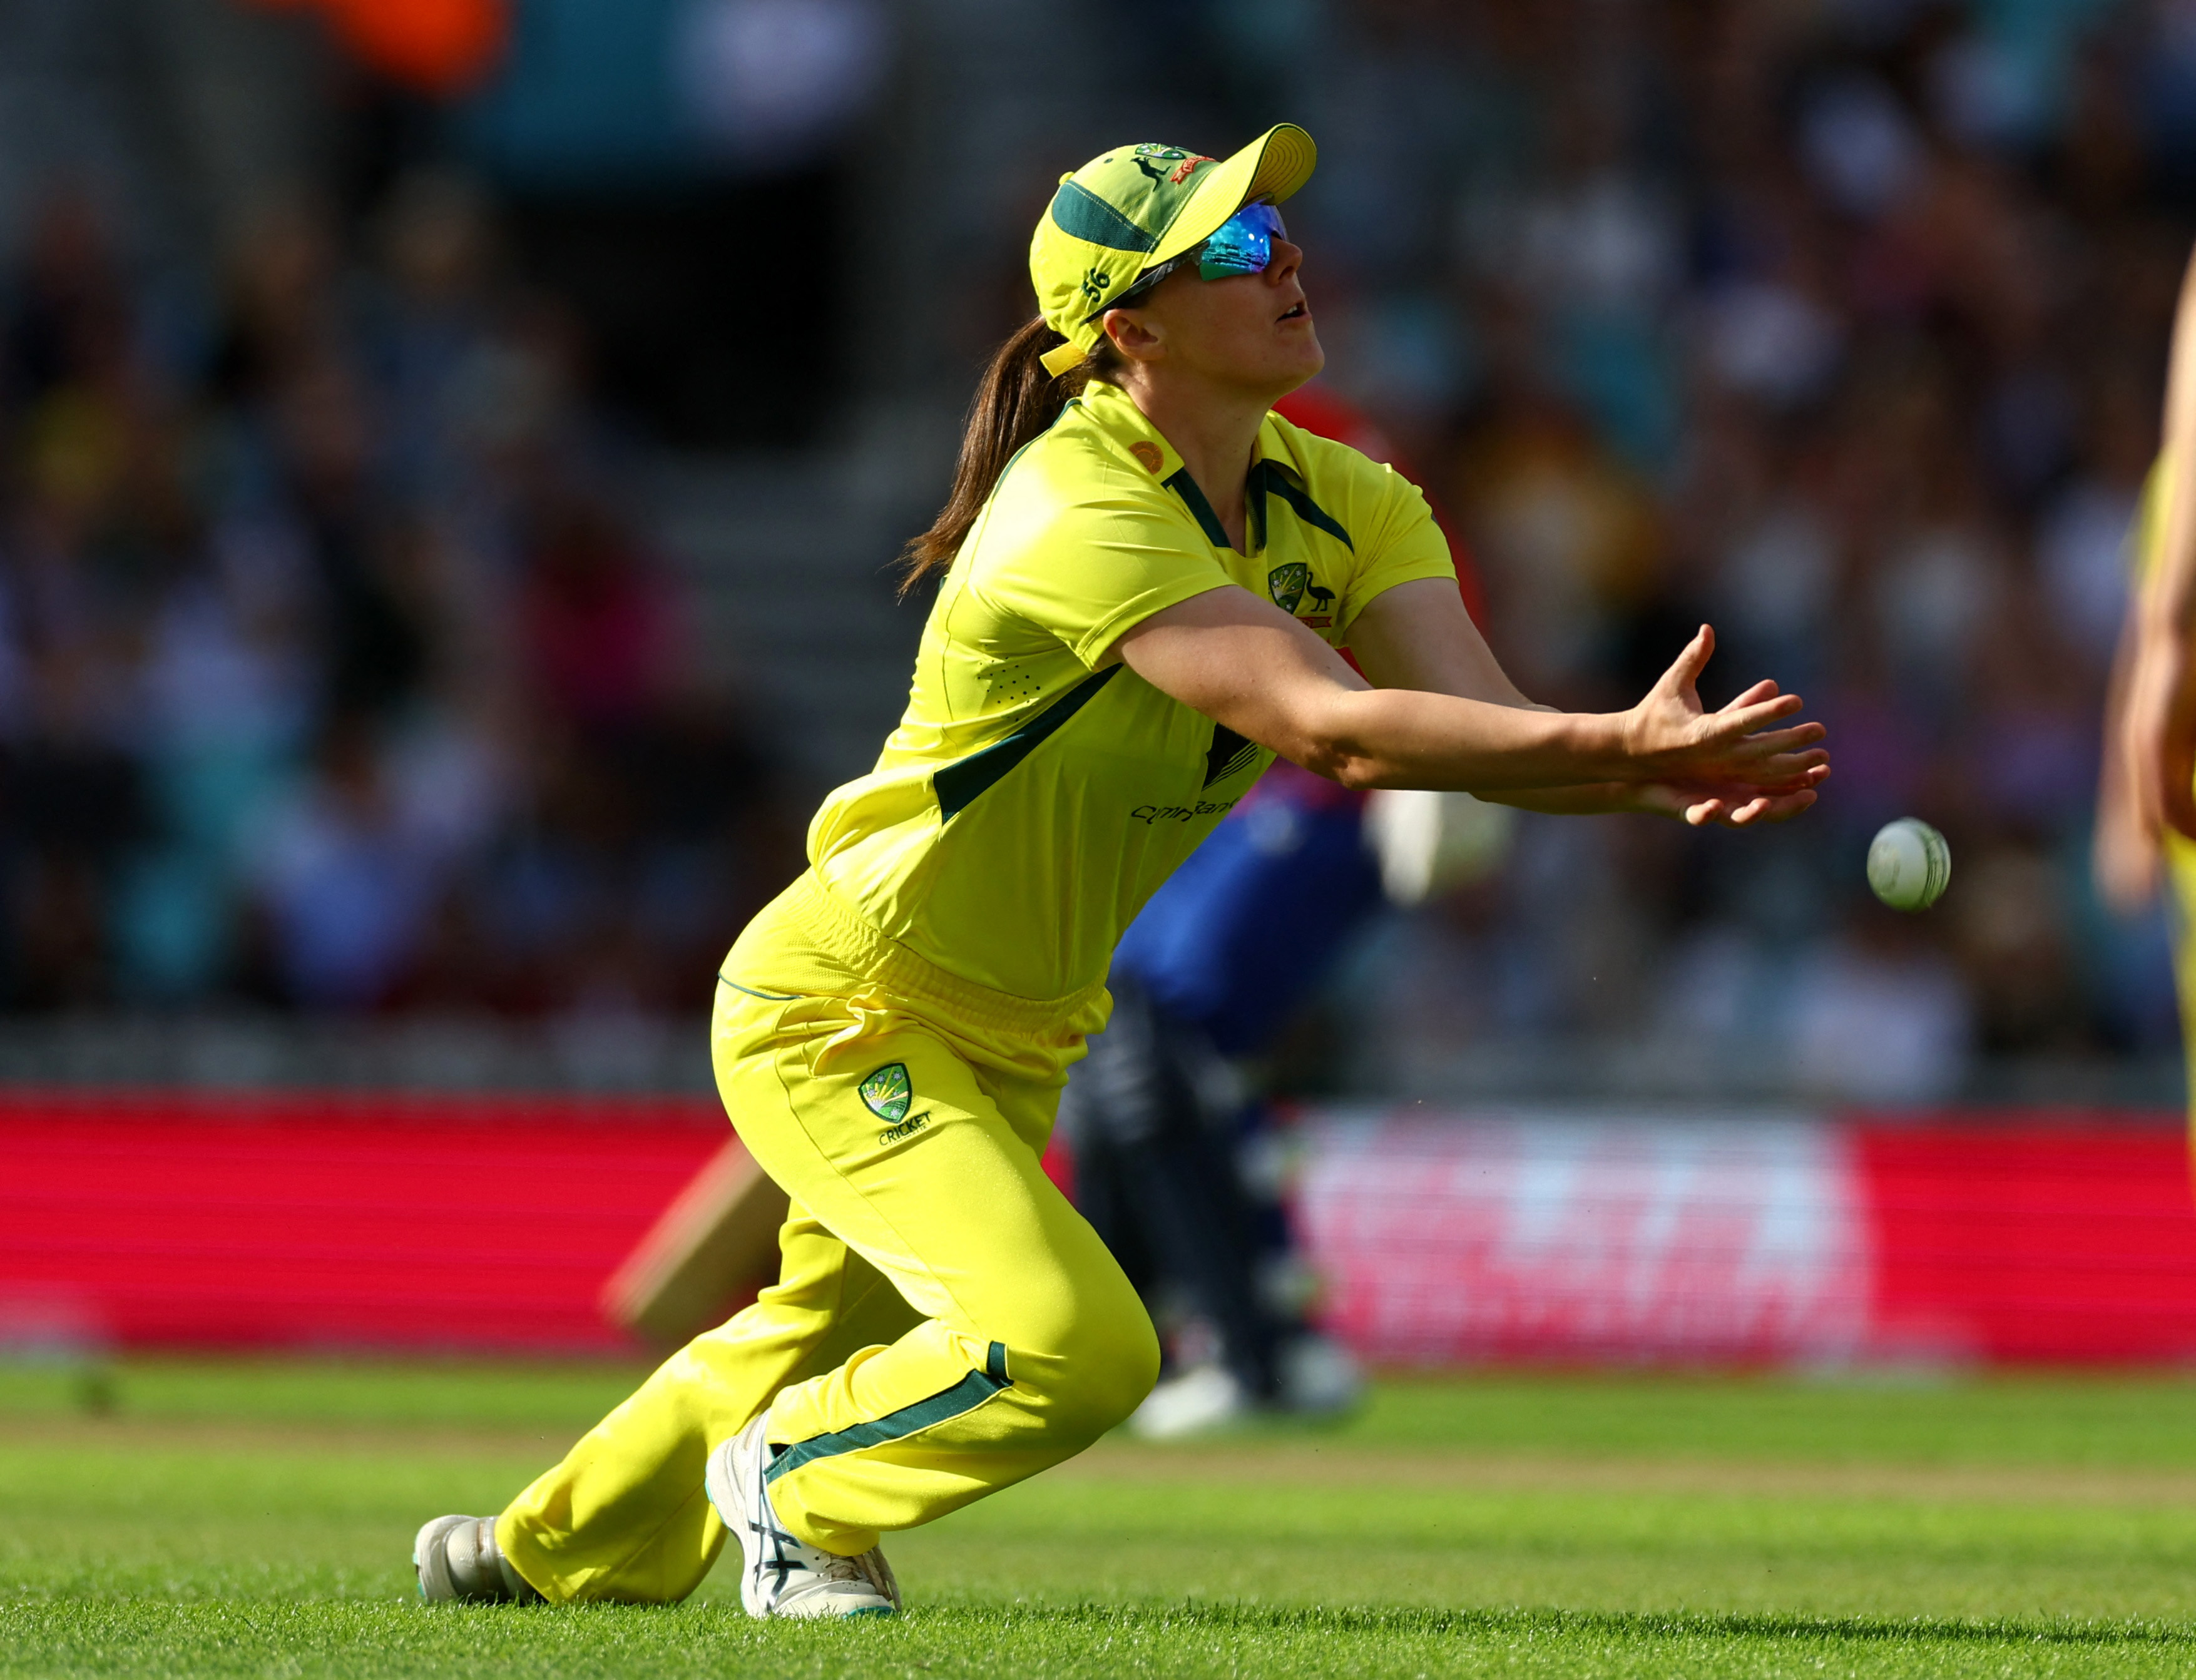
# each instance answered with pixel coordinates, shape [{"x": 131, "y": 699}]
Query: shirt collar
[{"x": 1115, "y": 413}]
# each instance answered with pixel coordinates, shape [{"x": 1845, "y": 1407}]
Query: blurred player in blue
[{"x": 1171, "y": 1151}]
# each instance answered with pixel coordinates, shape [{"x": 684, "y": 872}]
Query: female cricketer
[
  {"x": 2145, "y": 827},
  {"x": 1143, "y": 575}
]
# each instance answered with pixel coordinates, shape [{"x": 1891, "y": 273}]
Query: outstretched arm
[
  {"x": 1250, "y": 666},
  {"x": 1417, "y": 635}
]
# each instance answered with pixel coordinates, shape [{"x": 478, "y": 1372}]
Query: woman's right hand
[{"x": 1669, "y": 736}]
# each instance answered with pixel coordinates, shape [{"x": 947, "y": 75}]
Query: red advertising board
[
  {"x": 1468, "y": 1238},
  {"x": 1538, "y": 1237},
  {"x": 2045, "y": 1239},
  {"x": 328, "y": 1220},
  {"x": 304, "y": 1220}
]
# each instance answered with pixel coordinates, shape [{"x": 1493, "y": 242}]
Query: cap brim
[{"x": 1271, "y": 167}]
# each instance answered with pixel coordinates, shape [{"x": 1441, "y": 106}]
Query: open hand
[
  {"x": 1725, "y": 805},
  {"x": 1732, "y": 755}
]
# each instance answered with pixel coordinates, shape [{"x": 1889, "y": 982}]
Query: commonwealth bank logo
[{"x": 888, "y": 1092}]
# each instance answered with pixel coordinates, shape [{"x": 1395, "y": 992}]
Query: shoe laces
[
  {"x": 837, "y": 1568},
  {"x": 866, "y": 1569}
]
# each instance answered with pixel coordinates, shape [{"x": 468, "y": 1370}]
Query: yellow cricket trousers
[{"x": 945, "y": 1323}]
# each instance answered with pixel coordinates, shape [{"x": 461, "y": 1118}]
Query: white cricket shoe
[
  {"x": 782, "y": 1576},
  {"x": 457, "y": 1560},
  {"x": 1201, "y": 1399},
  {"x": 1318, "y": 1377}
]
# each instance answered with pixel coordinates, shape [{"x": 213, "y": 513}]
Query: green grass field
[{"x": 247, "y": 1518}]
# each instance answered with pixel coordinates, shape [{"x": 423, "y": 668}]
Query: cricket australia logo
[
  {"x": 1286, "y": 585},
  {"x": 1149, "y": 158},
  {"x": 886, "y": 1094}
]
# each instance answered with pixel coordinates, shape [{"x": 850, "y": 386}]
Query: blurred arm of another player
[
  {"x": 1440, "y": 714},
  {"x": 2149, "y": 757}
]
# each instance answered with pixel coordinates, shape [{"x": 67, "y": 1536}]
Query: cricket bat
[{"x": 717, "y": 1240}]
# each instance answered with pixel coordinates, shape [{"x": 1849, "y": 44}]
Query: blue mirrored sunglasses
[{"x": 1242, "y": 245}]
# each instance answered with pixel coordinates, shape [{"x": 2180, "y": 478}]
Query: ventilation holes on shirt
[{"x": 1011, "y": 683}]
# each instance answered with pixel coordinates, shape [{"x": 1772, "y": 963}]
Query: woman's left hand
[{"x": 1702, "y": 803}]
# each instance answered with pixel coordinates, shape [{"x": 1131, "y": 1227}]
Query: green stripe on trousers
[{"x": 966, "y": 1396}]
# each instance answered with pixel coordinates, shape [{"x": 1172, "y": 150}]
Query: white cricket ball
[{"x": 1909, "y": 864}]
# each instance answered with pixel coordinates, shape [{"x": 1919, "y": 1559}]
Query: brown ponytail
[{"x": 1016, "y": 400}]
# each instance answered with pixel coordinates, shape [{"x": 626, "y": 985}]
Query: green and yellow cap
[{"x": 1136, "y": 207}]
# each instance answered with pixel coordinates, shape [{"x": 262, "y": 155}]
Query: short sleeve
[
  {"x": 1403, "y": 545},
  {"x": 1089, "y": 570}
]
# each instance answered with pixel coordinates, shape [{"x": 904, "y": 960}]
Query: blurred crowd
[
  {"x": 336, "y": 672},
  {"x": 1841, "y": 326}
]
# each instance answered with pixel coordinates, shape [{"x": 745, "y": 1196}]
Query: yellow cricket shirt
[
  {"x": 2147, "y": 540},
  {"x": 1037, "y": 791}
]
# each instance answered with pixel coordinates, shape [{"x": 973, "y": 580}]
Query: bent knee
[{"x": 1097, "y": 1373}]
